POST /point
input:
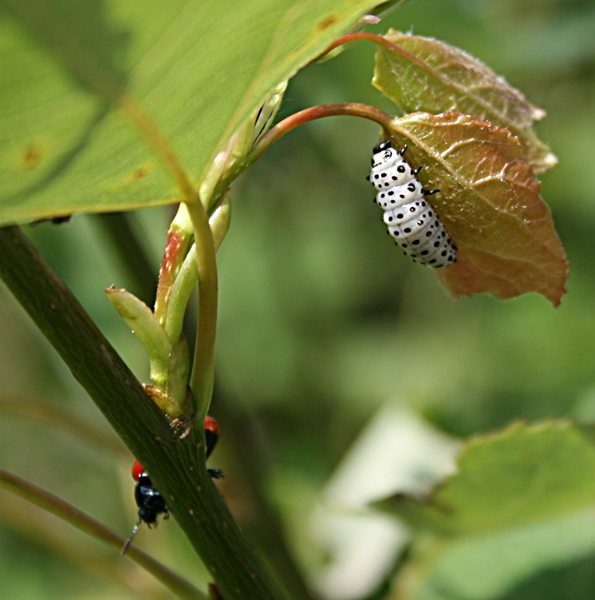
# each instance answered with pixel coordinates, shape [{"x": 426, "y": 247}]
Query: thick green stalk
[{"x": 176, "y": 462}]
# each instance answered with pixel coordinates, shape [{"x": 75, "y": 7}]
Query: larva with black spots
[{"x": 410, "y": 217}]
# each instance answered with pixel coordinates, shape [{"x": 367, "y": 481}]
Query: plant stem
[
  {"x": 250, "y": 473},
  {"x": 203, "y": 368},
  {"x": 83, "y": 522},
  {"x": 177, "y": 466},
  {"x": 352, "y": 109},
  {"x": 370, "y": 37},
  {"x": 66, "y": 325}
]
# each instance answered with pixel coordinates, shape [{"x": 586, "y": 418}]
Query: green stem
[
  {"x": 92, "y": 360},
  {"x": 203, "y": 368},
  {"x": 177, "y": 465},
  {"x": 251, "y": 477},
  {"x": 87, "y": 524},
  {"x": 187, "y": 276},
  {"x": 352, "y": 109}
]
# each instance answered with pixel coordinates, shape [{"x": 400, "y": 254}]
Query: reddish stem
[
  {"x": 335, "y": 109},
  {"x": 173, "y": 257},
  {"x": 376, "y": 39}
]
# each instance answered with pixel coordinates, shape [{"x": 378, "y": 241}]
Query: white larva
[{"x": 411, "y": 219}]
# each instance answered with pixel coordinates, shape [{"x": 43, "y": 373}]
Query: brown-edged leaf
[
  {"x": 489, "y": 202},
  {"x": 423, "y": 74}
]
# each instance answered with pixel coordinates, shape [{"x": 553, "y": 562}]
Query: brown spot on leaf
[
  {"x": 328, "y": 22},
  {"x": 139, "y": 173},
  {"x": 32, "y": 156}
]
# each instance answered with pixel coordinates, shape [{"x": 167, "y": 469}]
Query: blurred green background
[{"x": 321, "y": 319}]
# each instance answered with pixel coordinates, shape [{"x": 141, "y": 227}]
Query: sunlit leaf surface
[
  {"x": 431, "y": 76},
  {"x": 195, "y": 71},
  {"x": 489, "y": 202}
]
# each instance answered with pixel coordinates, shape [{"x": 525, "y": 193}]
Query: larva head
[{"x": 384, "y": 155}]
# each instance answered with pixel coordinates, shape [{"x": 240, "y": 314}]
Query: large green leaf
[
  {"x": 522, "y": 500},
  {"x": 189, "y": 73}
]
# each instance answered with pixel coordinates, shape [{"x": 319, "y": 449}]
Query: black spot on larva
[
  {"x": 401, "y": 169},
  {"x": 395, "y": 178},
  {"x": 401, "y": 196},
  {"x": 443, "y": 253},
  {"x": 412, "y": 209},
  {"x": 436, "y": 244},
  {"x": 400, "y": 216},
  {"x": 383, "y": 174},
  {"x": 404, "y": 245},
  {"x": 393, "y": 201},
  {"x": 424, "y": 203},
  {"x": 430, "y": 213},
  {"x": 429, "y": 234},
  {"x": 411, "y": 187},
  {"x": 390, "y": 218},
  {"x": 424, "y": 252},
  {"x": 382, "y": 195},
  {"x": 376, "y": 176},
  {"x": 407, "y": 230},
  {"x": 415, "y": 243},
  {"x": 391, "y": 193},
  {"x": 420, "y": 223}
]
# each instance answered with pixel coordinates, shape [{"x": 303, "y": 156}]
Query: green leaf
[
  {"x": 490, "y": 205},
  {"x": 423, "y": 74},
  {"x": 104, "y": 105},
  {"x": 522, "y": 499}
]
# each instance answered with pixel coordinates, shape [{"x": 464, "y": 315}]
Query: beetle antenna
[{"x": 132, "y": 534}]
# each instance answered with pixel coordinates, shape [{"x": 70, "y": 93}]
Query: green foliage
[
  {"x": 320, "y": 320},
  {"x": 177, "y": 72},
  {"x": 521, "y": 500}
]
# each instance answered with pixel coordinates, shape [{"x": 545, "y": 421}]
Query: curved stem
[
  {"x": 188, "y": 273},
  {"x": 203, "y": 368},
  {"x": 352, "y": 109},
  {"x": 83, "y": 522},
  {"x": 370, "y": 37}
]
